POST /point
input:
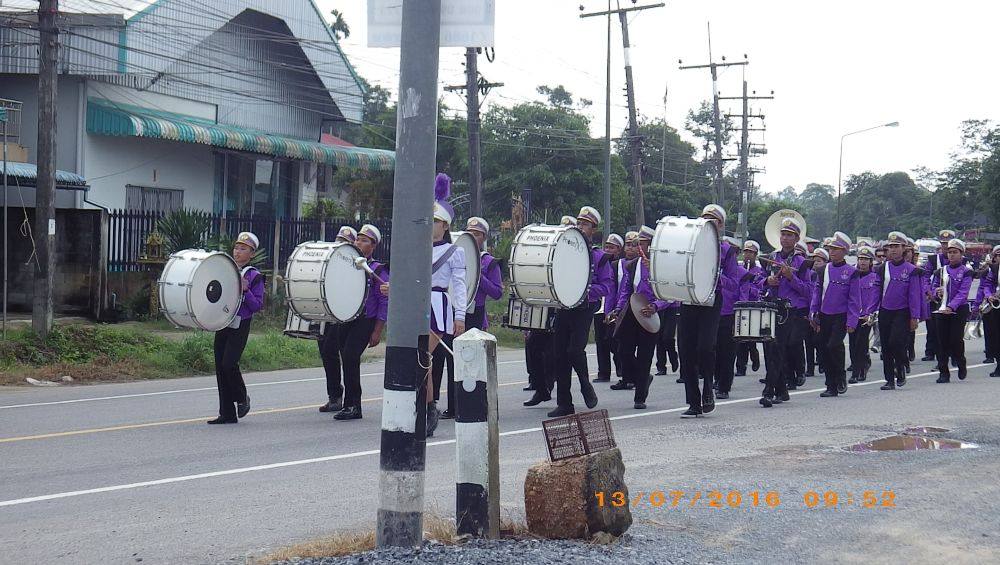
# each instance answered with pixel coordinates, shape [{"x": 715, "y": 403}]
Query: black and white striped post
[{"x": 477, "y": 436}]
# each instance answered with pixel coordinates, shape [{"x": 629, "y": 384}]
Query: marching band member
[
  {"x": 490, "y": 281},
  {"x": 625, "y": 378},
  {"x": 899, "y": 311},
  {"x": 234, "y": 402},
  {"x": 834, "y": 311},
  {"x": 988, "y": 293},
  {"x": 603, "y": 334},
  {"x": 813, "y": 354},
  {"x": 637, "y": 344},
  {"x": 364, "y": 331},
  {"x": 934, "y": 262},
  {"x": 329, "y": 344},
  {"x": 790, "y": 283},
  {"x": 567, "y": 221},
  {"x": 666, "y": 341},
  {"x": 910, "y": 255},
  {"x": 572, "y": 330},
  {"x": 751, "y": 289},
  {"x": 699, "y": 326},
  {"x": 725, "y": 356},
  {"x": 954, "y": 311},
  {"x": 868, "y": 293}
]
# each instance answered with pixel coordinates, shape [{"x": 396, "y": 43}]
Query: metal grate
[{"x": 578, "y": 434}]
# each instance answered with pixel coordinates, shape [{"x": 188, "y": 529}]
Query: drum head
[
  {"x": 216, "y": 291},
  {"x": 706, "y": 262},
  {"x": 467, "y": 242},
  {"x": 571, "y": 268},
  {"x": 345, "y": 285}
]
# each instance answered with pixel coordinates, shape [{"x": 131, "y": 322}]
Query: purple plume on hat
[{"x": 442, "y": 187}]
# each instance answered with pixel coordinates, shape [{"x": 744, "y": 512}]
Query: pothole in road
[{"x": 909, "y": 443}]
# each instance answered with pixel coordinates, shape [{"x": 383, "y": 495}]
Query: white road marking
[{"x": 255, "y": 468}]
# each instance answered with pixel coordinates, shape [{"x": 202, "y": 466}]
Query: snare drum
[
  {"x": 296, "y": 326},
  {"x": 754, "y": 321},
  {"x": 684, "y": 260},
  {"x": 550, "y": 266},
  {"x": 322, "y": 283},
  {"x": 467, "y": 242},
  {"x": 524, "y": 316},
  {"x": 200, "y": 289}
]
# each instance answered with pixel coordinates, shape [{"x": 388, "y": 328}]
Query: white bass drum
[
  {"x": 200, "y": 289},
  {"x": 467, "y": 242},
  {"x": 322, "y": 282},
  {"x": 550, "y": 266},
  {"x": 684, "y": 260}
]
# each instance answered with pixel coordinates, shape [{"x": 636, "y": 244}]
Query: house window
[
  {"x": 151, "y": 199},
  {"x": 257, "y": 187}
]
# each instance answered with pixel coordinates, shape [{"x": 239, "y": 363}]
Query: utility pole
[
  {"x": 663, "y": 148},
  {"x": 403, "y": 439},
  {"x": 45, "y": 192},
  {"x": 716, "y": 120},
  {"x": 472, "y": 87},
  {"x": 635, "y": 142},
  {"x": 743, "y": 175}
]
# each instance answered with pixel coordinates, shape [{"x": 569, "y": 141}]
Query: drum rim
[
  {"x": 754, "y": 304},
  {"x": 189, "y": 288}
]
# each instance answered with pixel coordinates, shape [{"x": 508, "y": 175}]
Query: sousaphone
[{"x": 772, "y": 229}]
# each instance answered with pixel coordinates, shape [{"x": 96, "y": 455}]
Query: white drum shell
[
  {"x": 184, "y": 289},
  {"x": 468, "y": 243},
  {"x": 322, "y": 282},
  {"x": 524, "y": 316},
  {"x": 684, "y": 260},
  {"x": 754, "y": 323},
  {"x": 550, "y": 266},
  {"x": 298, "y": 327}
]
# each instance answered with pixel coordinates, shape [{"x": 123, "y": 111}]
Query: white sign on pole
[{"x": 464, "y": 23}]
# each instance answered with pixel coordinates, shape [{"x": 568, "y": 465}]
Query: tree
[
  {"x": 559, "y": 96},
  {"x": 339, "y": 26},
  {"x": 819, "y": 206}
]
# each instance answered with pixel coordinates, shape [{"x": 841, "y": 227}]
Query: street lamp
[{"x": 840, "y": 167}]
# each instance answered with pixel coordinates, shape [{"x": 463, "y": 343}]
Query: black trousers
[
  {"x": 910, "y": 345},
  {"x": 725, "y": 354},
  {"x": 746, "y": 351},
  {"x": 697, "y": 333},
  {"x": 229, "y": 346},
  {"x": 811, "y": 352},
  {"x": 637, "y": 350},
  {"x": 930, "y": 345},
  {"x": 894, "y": 329},
  {"x": 476, "y": 319},
  {"x": 951, "y": 338},
  {"x": 538, "y": 358},
  {"x": 991, "y": 333},
  {"x": 439, "y": 359},
  {"x": 329, "y": 353},
  {"x": 353, "y": 340},
  {"x": 606, "y": 344},
  {"x": 572, "y": 332},
  {"x": 858, "y": 343},
  {"x": 666, "y": 346},
  {"x": 832, "y": 331},
  {"x": 780, "y": 352}
]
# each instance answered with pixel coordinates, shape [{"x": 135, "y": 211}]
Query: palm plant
[{"x": 184, "y": 229}]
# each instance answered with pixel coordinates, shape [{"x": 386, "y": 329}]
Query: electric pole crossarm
[
  {"x": 622, "y": 10},
  {"x": 713, "y": 65}
]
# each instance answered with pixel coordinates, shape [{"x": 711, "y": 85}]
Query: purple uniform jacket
[
  {"x": 490, "y": 283},
  {"x": 797, "y": 291},
  {"x": 869, "y": 293},
  {"x": 728, "y": 275},
  {"x": 959, "y": 284},
  {"x": 253, "y": 298},
  {"x": 904, "y": 288},
  {"x": 377, "y": 304},
  {"x": 752, "y": 284},
  {"x": 601, "y": 278},
  {"x": 617, "y": 274},
  {"x": 731, "y": 289},
  {"x": 933, "y": 263},
  {"x": 628, "y": 286},
  {"x": 987, "y": 286},
  {"x": 841, "y": 295}
]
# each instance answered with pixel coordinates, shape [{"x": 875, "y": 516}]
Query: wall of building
[{"x": 24, "y": 88}]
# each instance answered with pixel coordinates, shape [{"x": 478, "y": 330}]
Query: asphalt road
[{"x": 125, "y": 472}]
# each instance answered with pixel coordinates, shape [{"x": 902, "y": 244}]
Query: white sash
[
  {"x": 826, "y": 283},
  {"x": 885, "y": 280}
]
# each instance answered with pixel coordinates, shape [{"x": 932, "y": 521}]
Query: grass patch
[{"x": 111, "y": 353}]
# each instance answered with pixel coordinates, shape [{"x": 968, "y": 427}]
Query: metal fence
[{"x": 129, "y": 229}]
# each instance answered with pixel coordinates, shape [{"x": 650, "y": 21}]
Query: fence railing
[{"x": 129, "y": 229}]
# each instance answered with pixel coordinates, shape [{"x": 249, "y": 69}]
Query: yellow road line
[{"x": 184, "y": 421}]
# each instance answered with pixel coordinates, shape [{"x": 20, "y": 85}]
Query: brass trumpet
[
  {"x": 869, "y": 320},
  {"x": 991, "y": 304}
]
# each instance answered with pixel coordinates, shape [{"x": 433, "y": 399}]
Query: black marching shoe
[
  {"x": 755, "y": 366},
  {"x": 538, "y": 398},
  {"x": 562, "y": 411},
  {"x": 889, "y": 385},
  {"x": 766, "y": 401},
  {"x": 640, "y": 406},
  {"x": 589, "y": 395},
  {"x": 447, "y": 415},
  {"x": 722, "y": 396},
  {"x": 529, "y": 387},
  {"x": 332, "y": 405},
  {"x": 849, "y": 368},
  {"x": 661, "y": 372},
  {"x": 692, "y": 413},
  {"x": 783, "y": 397},
  {"x": 601, "y": 379},
  {"x": 943, "y": 378},
  {"x": 906, "y": 369},
  {"x": 842, "y": 387},
  {"x": 996, "y": 372},
  {"x": 708, "y": 401},
  {"x": 927, "y": 358},
  {"x": 433, "y": 416},
  {"x": 243, "y": 408},
  {"x": 680, "y": 380},
  {"x": 800, "y": 380},
  {"x": 828, "y": 393},
  {"x": 348, "y": 413},
  {"x": 912, "y": 356},
  {"x": 762, "y": 381},
  {"x": 962, "y": 372},
  {"x": 852, "y": 380},
  {"x": 741, "y": 372},
  {"x": 988, "y": 360},
  {"x": 901, "y": 379},
  {"x": 221, "y": 420},
  {"x": 620, "y": 385}
]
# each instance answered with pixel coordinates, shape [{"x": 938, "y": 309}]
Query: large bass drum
[
  {"x": 684, "y": 260},
  {"x": 550, "y": 266},
  {"x": 467, "y": 242},
  {"x": 322, "y": 282},
  {"x": 200, "y": 289}
]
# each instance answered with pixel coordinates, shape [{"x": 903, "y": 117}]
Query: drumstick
[{"x": 362, "y": 263}]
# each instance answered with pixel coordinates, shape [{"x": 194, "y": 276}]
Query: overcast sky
[{"x": 835, "y": 67}]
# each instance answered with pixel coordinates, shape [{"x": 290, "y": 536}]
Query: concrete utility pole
[
  {"x": 635, "y": 142},
  {"x": 716, "y": 120},
  {"x": 472, "y": 87},
  {"x": 403, "y": 441},
  {"x": 744, "y": 173},
  {"x": 45, "y": 192}
]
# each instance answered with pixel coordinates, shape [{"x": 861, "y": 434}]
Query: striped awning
[
  {"x": 111, "y": 118},
  {"x": 26, "y": 174}
]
